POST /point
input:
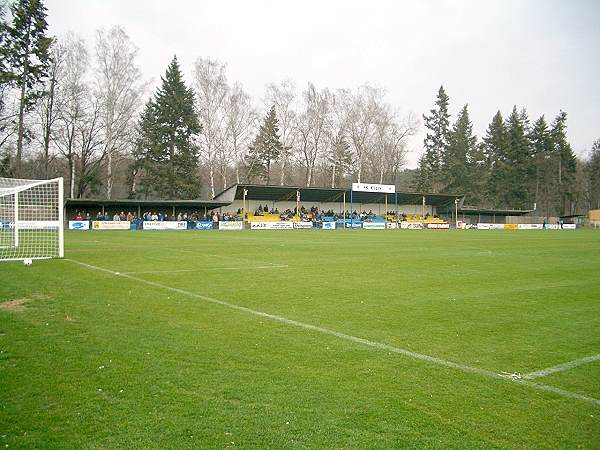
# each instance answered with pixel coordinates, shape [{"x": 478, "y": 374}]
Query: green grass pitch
[{"x": 304, "y": 339}]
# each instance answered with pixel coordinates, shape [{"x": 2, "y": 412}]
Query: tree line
[
  {"x": 87, "y": 113},
  {"x": 517, "y": 165}
]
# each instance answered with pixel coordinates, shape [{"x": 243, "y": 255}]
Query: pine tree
[
  {"x": 461, "y": 144},
  {"x": 567, "y": 163},
  {"x": 24, "y": 52},
  {"x": 494, "y": 144},
  {"x": 435, "y": 144},
  {"x": 593, "y": 176},
  {"x": 541, "y": 148},
  {"x": 166, "y": 152},
  {"x": 265, "y": 149}
]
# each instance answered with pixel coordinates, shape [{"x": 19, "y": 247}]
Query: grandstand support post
[
  {"x": 423, "y": 209},
  {"x": 386, "y": 208},
  {"x": 456, "y": 213},
  {"x": 297, "y": 204},
  {"x": 396, "y": 206},
  {"x": 61, "y": 218},
  {"x": 344, "y": 211},
  {"x": 16, "y": 226},
  {"x": 351, "y": 216},
  {"x": 245, "y": 191}
]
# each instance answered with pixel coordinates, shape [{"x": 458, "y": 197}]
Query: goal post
[{"x": 31, "y": 219}]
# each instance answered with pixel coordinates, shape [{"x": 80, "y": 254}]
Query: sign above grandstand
[{"x": 380, "y": 188}]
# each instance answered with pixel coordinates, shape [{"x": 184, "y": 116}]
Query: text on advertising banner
[
  {"x": 272, "y": 226},
  {"x": 380, "y": 188},
  {"x": 111, "y": 225},
  {"x": 79, "y": 225},
  {"x": 182, "y": 225},
  {"x": 231, "y": 225}
]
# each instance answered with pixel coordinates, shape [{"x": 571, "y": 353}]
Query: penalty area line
[
  {"x": 358, "y": 340},
  {"x": 561, "y": 367},
  {"x": 205, "y": 269}
]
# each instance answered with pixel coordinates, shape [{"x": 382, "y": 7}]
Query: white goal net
[{"x": 31, "y": 219}]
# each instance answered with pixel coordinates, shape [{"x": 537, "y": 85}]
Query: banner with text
[
  {"x": 224, "y": 225},
  {"x": 438, "y": 226},
  {"x": 204, "y": 225},
  {"x": 411, "y": 225},
  {"x": 373, "y": 226},
  {"x": 79, "y": 225},
  {"x": 328, "y": 225},
  {"x": 378, "y": 188},
  {"x": 272, "y": 226},
  {"x": 303, "y": 225},
  {"x": 153, "y": 225},
  {"x": 111, "y": 225}
]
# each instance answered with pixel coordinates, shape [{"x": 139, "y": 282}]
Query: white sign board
[
  {"x": 373, "y": 226},
  {"x": 530, "y": 226},
  {"x": 110, "y": 225},
  {"x": 272, "y": 226},
  {"x": 411, "y": 225},
  {"x": 38, "y": 224},
  {"x": 391, "y": 225},
  {"x": 328, "y": 225},
  {"x": 224, "y": 225},
  {"x": 79, "y": 225},
  {"x": 303, "y": 225},
  {"x": 379, "y": 188},
  {"x": 490, "y": 226},
  {"x": 154, "y": 225}
]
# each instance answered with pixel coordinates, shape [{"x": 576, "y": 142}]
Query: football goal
[{"x": 31, "y": 219}]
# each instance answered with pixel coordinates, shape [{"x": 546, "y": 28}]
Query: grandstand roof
[
  {"x": 320, "y": 195},
  {"x": 208, "y": 204},
  {"x": 473, "y": 211}
]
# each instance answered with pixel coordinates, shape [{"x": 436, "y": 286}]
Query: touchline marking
[
  {"x": 280, "y": 266},
  {"x": 348, "y": 337},
  {"x": 561, "y": 367}
]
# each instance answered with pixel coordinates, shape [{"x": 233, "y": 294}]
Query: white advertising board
[
  {"x": 411, "y": 225},
  {"x": 391, "y": 225},
  {"x": 490, "y": 226},
  {"x": 569, "y": 226},
  {"x": 231, "y": 225},
  {"x": 38, "y": 224},
  {"x": 154, "y": 225},
  {"x": 110, "y": 225},
  {"x": 79, "y": 225},
  {"x": 438, "y": 226},
  {"x": 382, "y": 188},
  {"x": 328, "y": 225},
  {"x": 530, "y": 226},
  {"x": 373, "y": 225},
  {"x": 303, "y": 225},
  {"x": 272, "y": 226}
]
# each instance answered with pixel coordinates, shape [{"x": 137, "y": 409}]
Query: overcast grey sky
[{"x": 542, "y": 55}]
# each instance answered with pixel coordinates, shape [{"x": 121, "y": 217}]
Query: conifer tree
[
  {"x": 24, "y": 52},
  {"x": 460, "y": 142},
  {"x": 494, "y": 144},
  {"x": 166, "y": 152},
  {"x": 593, "y": 176},
  {"x": 541, "y": 148},
  {"x": 567, "y": 163},
  {"x": 435, "y": 144},
  {"x": 265, "y": 149},
  {"x": 520, "y": 166}
]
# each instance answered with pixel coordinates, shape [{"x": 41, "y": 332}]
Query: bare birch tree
[
  {"x": 210, "y": 83},
  {"x": 241, "y": 120},
  {"x": 283, "y": 96},
  {"x": 119, "y": 92},
  {"x": 313, "y": 126}
]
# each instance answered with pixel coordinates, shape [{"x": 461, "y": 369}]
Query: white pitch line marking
[
  {"x": 355, "y": 339},
  {"x": 280, "y": 266},
  {"x": 561, "y": 367}
]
